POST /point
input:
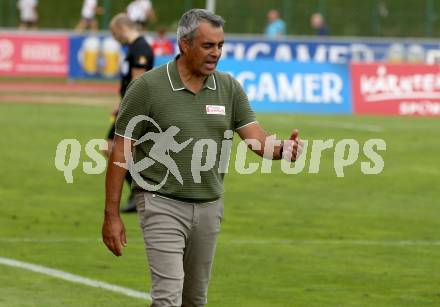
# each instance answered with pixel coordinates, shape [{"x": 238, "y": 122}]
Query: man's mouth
[{"x": 211, "y": 64}]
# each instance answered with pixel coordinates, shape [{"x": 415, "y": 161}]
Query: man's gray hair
[{"x": 190, "y": 21}]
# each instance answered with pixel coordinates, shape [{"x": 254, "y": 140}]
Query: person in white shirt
[
  {"x": 141, "y": 12},
  {"x": 28, "y": 13},
  {"x": 88, "y": 16}
]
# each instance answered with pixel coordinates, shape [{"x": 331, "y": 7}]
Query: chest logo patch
[{"x": 213, "y": 109}]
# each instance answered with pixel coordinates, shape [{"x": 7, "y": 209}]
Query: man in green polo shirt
[{"x": 177, "y": 119}]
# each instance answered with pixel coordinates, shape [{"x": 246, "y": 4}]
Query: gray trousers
[{"x": 180, "y": 240}]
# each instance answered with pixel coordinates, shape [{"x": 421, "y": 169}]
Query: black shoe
[{"x": 130, "y": 206}]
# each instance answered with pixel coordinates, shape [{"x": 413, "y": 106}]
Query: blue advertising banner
[
  {"x": 305, "y": 50},
  {"x": 332, "y": 50},
  {"x": 98, "y": 57},
  {"x": 101, "y": 56},
  {"x": 293, "y": 87},
  {"x": 94, "y": 57}
]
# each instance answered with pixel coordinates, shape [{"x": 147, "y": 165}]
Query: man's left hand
[{"x": 293, "y": 147}]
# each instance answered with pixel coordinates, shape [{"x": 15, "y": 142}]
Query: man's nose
[{"x": 216, "y": 52}]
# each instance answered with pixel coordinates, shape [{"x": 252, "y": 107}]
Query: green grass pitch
[{"x": 287, "y": 240}]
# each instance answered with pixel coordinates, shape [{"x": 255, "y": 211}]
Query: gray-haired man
[{"x": 180, "y": 215}]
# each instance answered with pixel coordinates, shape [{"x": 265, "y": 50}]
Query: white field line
[
  {"x": 340, "y": 242},
  {"x": 341, "y": 124},
  {"x": 52, "y": 240},
  {"x": 243, "y": 241},
  {"x": 73, "y": 278},
  {"x": 348, "y": 126}
]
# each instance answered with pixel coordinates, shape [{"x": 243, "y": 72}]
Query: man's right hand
[{"x": 113, "y": 233}]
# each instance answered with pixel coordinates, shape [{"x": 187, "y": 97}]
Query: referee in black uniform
[{"x": 139, "y": 59}]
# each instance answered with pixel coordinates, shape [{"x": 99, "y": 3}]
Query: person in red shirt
[{"x": 161, "y": 44}]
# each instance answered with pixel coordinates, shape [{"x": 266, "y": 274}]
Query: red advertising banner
[
  {"x": 34, "y": 55},
  {"x": 396, "y": 89}
]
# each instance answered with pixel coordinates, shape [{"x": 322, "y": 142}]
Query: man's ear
[{"x": 184, "y": 46}]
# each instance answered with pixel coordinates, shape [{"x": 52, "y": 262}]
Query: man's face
[
  {"x": 316, "y": 21},
  {"x": 272, "y": 16},
  {"x": 204, "y": 52},
  {"x": 118, "y": 34}
]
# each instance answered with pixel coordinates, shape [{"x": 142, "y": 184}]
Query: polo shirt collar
[
  {"x": 210, "y": 83},
  {"x": 177, "y": 84}
]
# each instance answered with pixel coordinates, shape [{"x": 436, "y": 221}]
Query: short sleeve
[
  {"x": 243, "y": 113},
  {"x": 142, "y": 57},
  {"x": 134, "y": 103}
]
